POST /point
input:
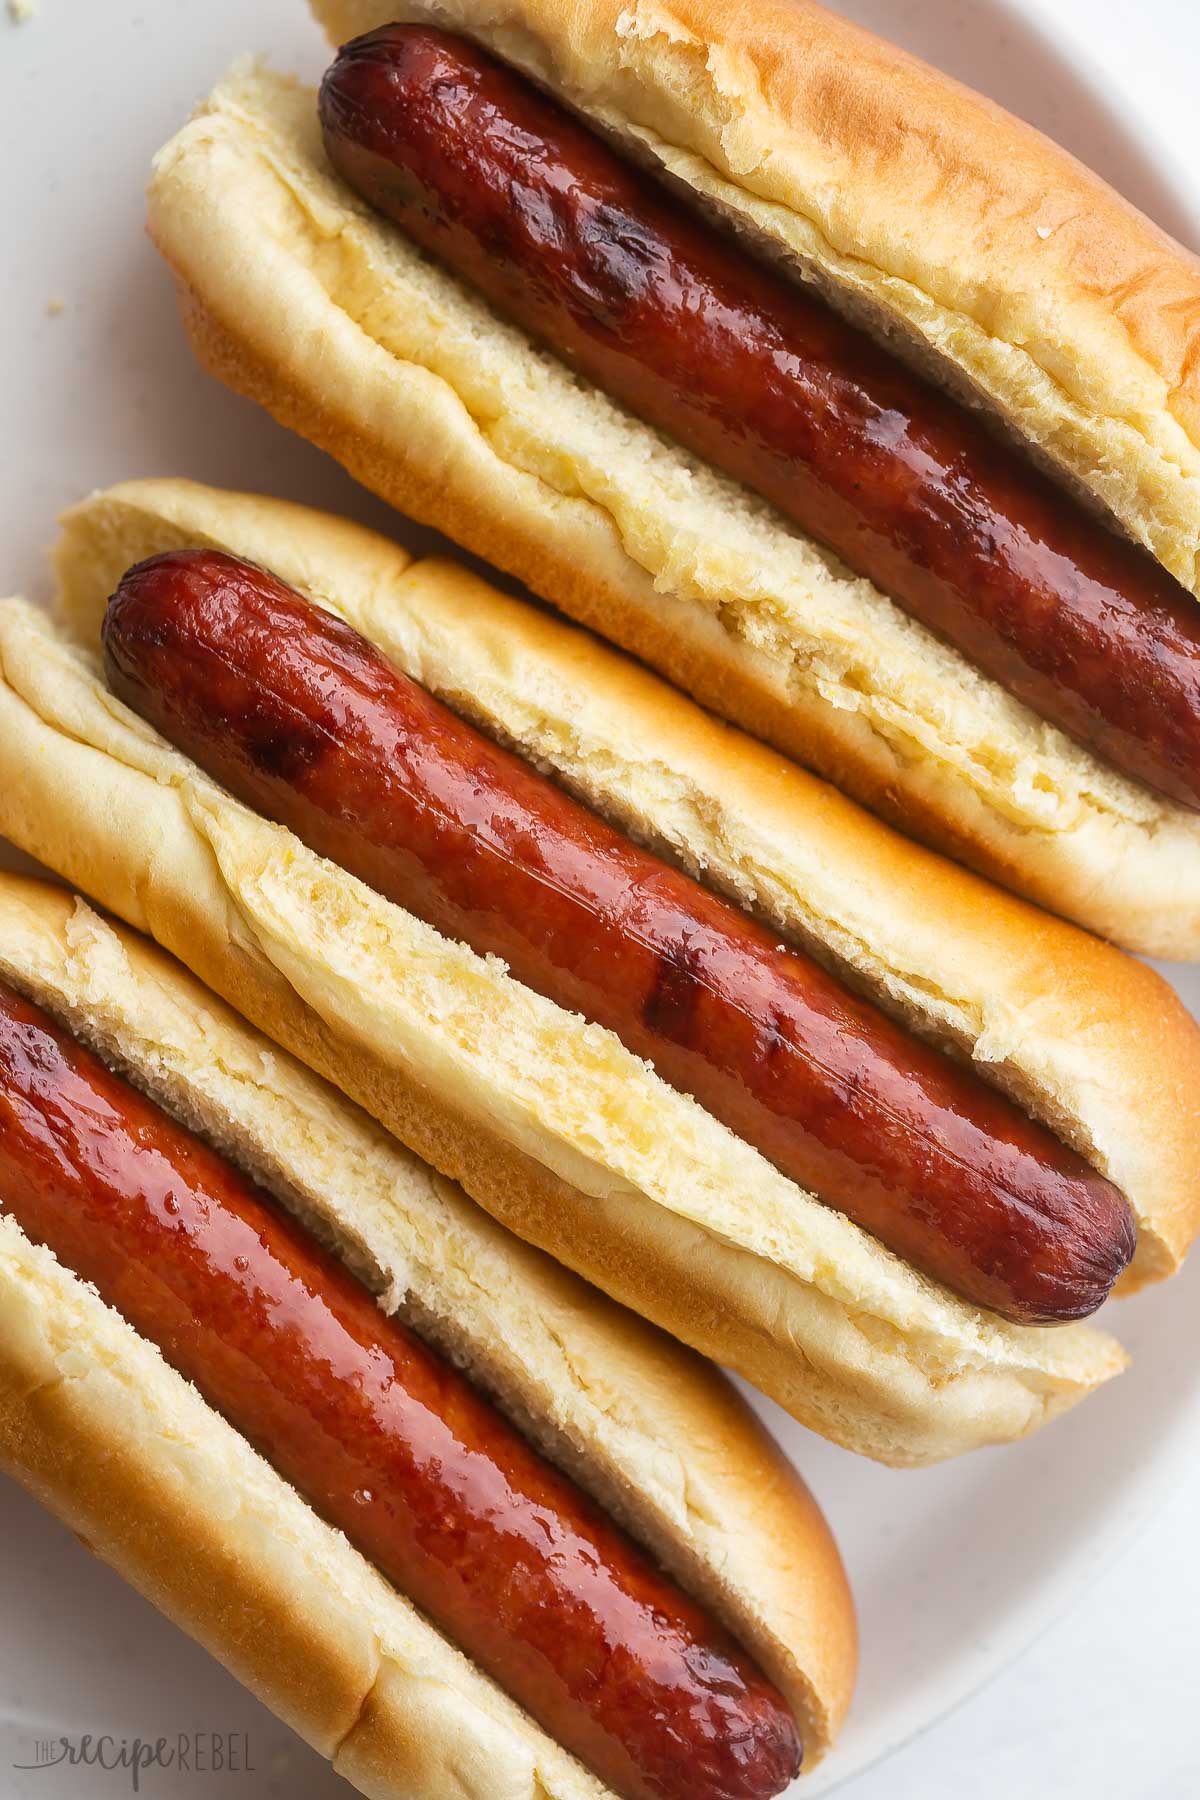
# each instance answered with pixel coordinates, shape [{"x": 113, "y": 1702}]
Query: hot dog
[
  {"x": 559, "y": 1129},
  {"x": 767, "y": 383},
  {"x": 384, "y": 1439},
  {"x": 302, "y": 719},
  {"x": 1041, "y": 720}
]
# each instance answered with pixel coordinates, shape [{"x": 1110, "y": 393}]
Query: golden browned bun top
[{"x": 1014, "y": 273}]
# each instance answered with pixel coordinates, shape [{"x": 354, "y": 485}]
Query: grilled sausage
[
  {"x": 304, "y": 720},
  {"x": 768, "y": 384}
]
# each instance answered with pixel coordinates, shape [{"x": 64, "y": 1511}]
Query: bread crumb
[
  {"x": 21, "y": 11},
  {"x": 55, "y": 307}
]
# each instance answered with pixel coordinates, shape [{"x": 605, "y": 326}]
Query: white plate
[{"x": 956, "y": 1569}]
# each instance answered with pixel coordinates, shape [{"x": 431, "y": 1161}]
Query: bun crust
[
  {"x": 296, "y": 295},
  {"x": 97, "y": 1425},
  {"x": 613, "y": 1172}
]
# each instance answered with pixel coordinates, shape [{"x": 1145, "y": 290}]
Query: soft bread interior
[
  {"x": 1092, "y": 1043},
  {"x": 612, "y": 1171},
  {"x": 974, "y": 244},
  {"x": 298, "y": 295},
  {"x": 659, "y": 1437}
]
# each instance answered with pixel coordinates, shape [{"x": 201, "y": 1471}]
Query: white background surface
[{"x": 958, "y": 1570}]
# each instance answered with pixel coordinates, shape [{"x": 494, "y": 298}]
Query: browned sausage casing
[
  {"x": 387, "y": 1441},
  {"x": 765, "y": 382},
  {"x": 304, "y": 720}
]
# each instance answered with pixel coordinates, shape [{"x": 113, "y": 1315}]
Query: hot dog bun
[
  {"x": 297, "y": 295},
  {"x": 95, "y": 1423},
  {"x": 946, "y": 953},
  {"x": 686, "y": 1223}
]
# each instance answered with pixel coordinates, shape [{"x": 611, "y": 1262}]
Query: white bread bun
[
  {"x": 95, "y": 1423},
  {"x": 296, "y": 294},
  {"x": 546, "y": 1119}
]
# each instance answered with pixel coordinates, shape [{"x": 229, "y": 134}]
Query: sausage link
[
  {"x": 767, "y": 383},
  {"x": 387, "y": 1441},
  {"x": 304, "y": 720}
]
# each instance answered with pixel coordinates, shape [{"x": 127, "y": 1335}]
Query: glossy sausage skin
[
  {"x": 765, "y": 382},
  {"x": 388, "y": 1442},
  {"x": 305, "y": 721}
]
